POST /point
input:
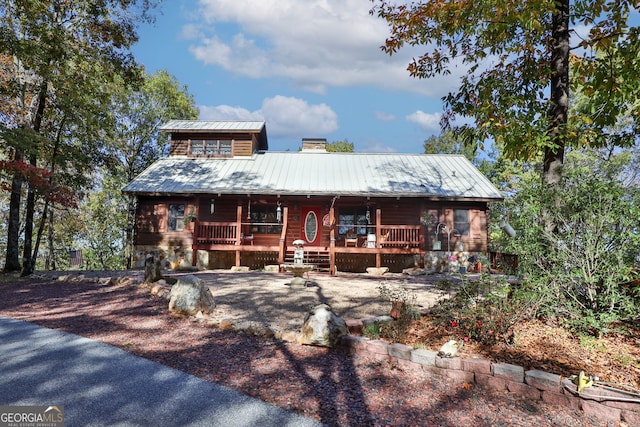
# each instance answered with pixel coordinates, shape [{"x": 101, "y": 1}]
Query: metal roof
[
  {"x": 312, "y": 173},
  {"x": 206, "y": 126}
]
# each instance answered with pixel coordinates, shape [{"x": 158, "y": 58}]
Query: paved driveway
[{"x": 100, "y": 385}]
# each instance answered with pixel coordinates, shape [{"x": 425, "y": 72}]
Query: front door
[{"x": 312, "y": 225}]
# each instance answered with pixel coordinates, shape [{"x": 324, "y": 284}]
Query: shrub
[
  {"x": 371, "y": 330},
  {"x": 486, "y": 311},
  {"x": 405, "y": 301},
  {"x": 585, "y": 266}
]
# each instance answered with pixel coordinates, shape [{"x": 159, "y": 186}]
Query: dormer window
[{"x": 210, "y": 147}]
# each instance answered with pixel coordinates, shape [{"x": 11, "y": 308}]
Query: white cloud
[
  {"x": 289, "y": 116},
  {"x": 384, "y": 117},
  {"x": 426, "y": 121},
  {"x": 227, "y": 112},
  {"x": 316, "y": 43},
  {"x": 286, "y": 116},
  {"x": 190, "y": 32},
  {"x": 374, "y": 146}
]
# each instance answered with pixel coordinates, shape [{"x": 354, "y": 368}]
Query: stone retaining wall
[{"x": 533, "y": 385}]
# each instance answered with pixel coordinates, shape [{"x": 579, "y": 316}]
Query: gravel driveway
[{"x": 266, "y": 300}]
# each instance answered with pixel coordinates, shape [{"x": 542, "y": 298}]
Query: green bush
[
  {"x": 485, "y": 310},
  {"x": 584, "y": 267},
  {"x": 371, "y": 330}
]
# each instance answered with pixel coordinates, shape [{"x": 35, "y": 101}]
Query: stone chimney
[{"x": 317, "y": 145}]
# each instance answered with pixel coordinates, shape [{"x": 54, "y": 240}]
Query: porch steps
[{"x": 318, "y": 258}]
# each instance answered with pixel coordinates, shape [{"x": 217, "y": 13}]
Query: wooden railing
[
  {"x": 400, "y": 236},
  {"x": 210, "y": 233},
  {"x": 217, "y": 232}
]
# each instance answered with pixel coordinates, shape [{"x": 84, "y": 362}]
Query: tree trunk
[
  {"x": 43, "y": 220},
  {"x": 12, "y": 260},
  {"x": 27, "y": 266},
  {"x": 51, "y": 260},
  {"x": 559, "y": 109},
  {"x": 129, "y": 234}
]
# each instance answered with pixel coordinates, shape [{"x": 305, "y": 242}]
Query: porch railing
[
  {"x": 209, "y": 233},
  {"x": 217, "y": 232},
  {"x": 401, "y": 236}
]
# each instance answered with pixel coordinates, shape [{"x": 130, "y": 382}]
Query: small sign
[
  {"x": 76, "y": 257},
  {"x": 31, "y": 416}
]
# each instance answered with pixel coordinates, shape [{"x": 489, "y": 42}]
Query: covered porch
[{"x": 379, "y": 240}]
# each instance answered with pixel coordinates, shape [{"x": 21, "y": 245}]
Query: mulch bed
[{"x": 330, "y": 386}]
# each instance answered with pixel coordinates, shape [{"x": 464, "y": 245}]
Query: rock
[
  {"x": 226, "y": 325},
  {"x": 151, "y": 269},
  {"x": 190, "y": 295},
  {"x": 377, "y": 271},
  {"x": 322, "y": 327},
  {"x": 289, "y": 336},
  {"x": 449, "y": 349},
  {"x": 414, "y": 271},
  {"x": 107, "y": 281}
]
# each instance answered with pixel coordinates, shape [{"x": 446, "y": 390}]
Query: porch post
[
  {"x": 378, "y": 237},
  {"x": 194, "y": 235},
  {"x": 283, "y": 234},
  {"x": 238, "y": 231},
  {"x": 332, "y": 241}
]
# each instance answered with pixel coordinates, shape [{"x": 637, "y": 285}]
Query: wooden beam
[
  {"x": 282, "y": 247},
  {"x": 238, "y": 233},
  {"x": 332, "y": 241},
  {"x": 194, "y": 234},
  {"x": 378, "y": 237}
]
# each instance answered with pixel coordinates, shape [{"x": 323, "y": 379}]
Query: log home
[{"x": 221, "y": 199}]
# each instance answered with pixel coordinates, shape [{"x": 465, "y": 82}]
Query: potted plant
[{"x": 191, "y": 216}]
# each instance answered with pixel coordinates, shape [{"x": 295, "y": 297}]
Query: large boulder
[
  {"x": 322, "y": 327},
  {"x": 152, "y": 267},
  {"x": 189, "y": 296}
]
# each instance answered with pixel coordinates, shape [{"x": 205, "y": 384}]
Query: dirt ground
[
  {"x": 266, "y": 300},
  {"x": 334, "y": 387}
]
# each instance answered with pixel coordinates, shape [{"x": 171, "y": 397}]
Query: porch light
[
  {"x": 279, "y": 213},
  {"x": 212, "y": 207}
]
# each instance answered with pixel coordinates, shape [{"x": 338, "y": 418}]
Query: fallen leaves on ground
[{"x": 547, "y": 347}]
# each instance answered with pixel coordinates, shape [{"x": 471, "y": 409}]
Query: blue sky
[{"x": 309, "y": 68}]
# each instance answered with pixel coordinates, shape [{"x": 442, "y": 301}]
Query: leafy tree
[
  {"x": 448, "y": 143},
  {"x": 585, "y": 270},
  {"x": 58, "y": 60},
  {"x": 103, "y": 227},
  {"x": 136, "y": 143},
  {"x": 340, "y": 146},
  {"x": 517, "y": 87}
]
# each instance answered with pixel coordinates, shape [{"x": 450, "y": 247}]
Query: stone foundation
[{"x": 171, "y": 257}]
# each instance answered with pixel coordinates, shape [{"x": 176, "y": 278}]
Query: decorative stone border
[{"x": 533, "y": 385}]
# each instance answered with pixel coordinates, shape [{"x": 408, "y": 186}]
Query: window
[
  {"x": 263, "y": 220},
  {"x": 211, "y": 147},
  {"x": 461, "y": 221},
  {"x": 176, "y": 217},
  {"x": 354, "y": 221},
  {"x": 311, "y": 226}
]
